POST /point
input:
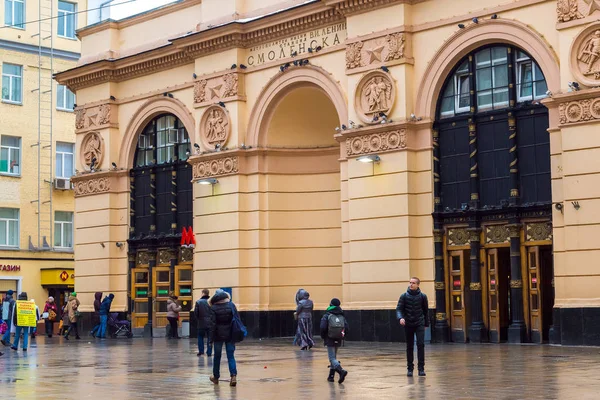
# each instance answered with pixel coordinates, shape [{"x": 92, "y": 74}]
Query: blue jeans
[
  {"x": 332, "y": 353},
  {"x": 229, "y": 349},
  {"x": 201, "y": 334},
  {"x": 6, "y": 336},
  {"x": 103, "y": 323},
  {"x": 18, "y": 330}
]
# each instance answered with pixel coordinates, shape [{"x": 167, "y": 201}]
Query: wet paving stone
[{"x": 274, "y": 369}]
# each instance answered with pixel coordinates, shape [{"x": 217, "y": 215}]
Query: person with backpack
[
  {"x": 411, "y": 313},
  {"x": 222, "y": 316},
  {"x": 333, "y": 330},
  {"x": 51, "y": 310},
  {"x": 202, "y": 314}
]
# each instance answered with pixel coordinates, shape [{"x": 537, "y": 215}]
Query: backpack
[
  {"x": 336, "y": 324},
  {"x": 238, "y": 330}
]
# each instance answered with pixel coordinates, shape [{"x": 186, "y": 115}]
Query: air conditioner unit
[{"x": 62, "y": 184}]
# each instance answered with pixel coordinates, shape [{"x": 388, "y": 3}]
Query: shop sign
[
  {"x": 10, "y": 268},
  {"x": 300, "y": 44},
  {"x": 26, "y": 315}
]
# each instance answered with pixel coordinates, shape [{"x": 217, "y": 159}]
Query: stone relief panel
[
  {"x": 92, "y": 186},
  {"x": 536, "y": 231},
  {"x": 458, "y": 237},
  {"x": 579, "y": 111},
  {"x": 376, "y": 142},
  {"x": 375, "y": 94},
  {"x": 93, "y": 117},
  {"x": 585, "y": 56},
  {"x": 496, "y": 234},
  {"x": 92, "y": 148},
  {"x": 215, "y": 127},
  {"x": 376, "y": 51},
  {"x": 218, "y": 88},
  {"x": 211, "y": 168},
  {"x": 568, "y": 10}
]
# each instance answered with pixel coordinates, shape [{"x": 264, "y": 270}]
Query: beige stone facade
[{"x": 283, "y": 98}]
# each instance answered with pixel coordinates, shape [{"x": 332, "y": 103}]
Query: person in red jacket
[{"x": 52, "y": 310}]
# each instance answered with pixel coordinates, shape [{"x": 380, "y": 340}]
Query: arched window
[
  {"x": 162, "y": 150},
  {"x": 488, "y": 89}
]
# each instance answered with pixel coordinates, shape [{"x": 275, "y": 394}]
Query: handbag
[
  {"x": 51, "y": 315},
  {"x": 238, "y": 330}
]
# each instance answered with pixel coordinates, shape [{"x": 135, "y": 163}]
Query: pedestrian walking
[
  {"x": 38, "y": 317},
  {"x": 65, "y": 319},
  {"x": 305, "y": 325},
  {"x": 20, "y": 328},
  {"x": 411, "y": 313},
  {"x": 7, "y": 314},
  {"x": 297, "y": 298},
  {"x": 222, "y": 312},
  {"x": 104, "y": 311},
  {"x": 96, "y": 316},
  {"x": 333, "y": 330},
  {"x": 202, "y": 314},
  {"x": 73, "y": 314},
  {"x": 51, "y": 314},
  {"x": 173, "y": 309}
]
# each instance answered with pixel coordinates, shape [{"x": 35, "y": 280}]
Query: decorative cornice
[
  {"x": 213, "y": 167},
  {"x": 376, "y": 142},
  {"x": 584, "y": 110},
  {"x": 87, "y": 184}
]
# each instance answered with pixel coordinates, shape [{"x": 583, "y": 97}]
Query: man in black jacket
[
  {"x": 221, "y": 316},
  {"x": 333, "y": 330},
  {"x": 202, "y": 313},
  {"x": 411, "y": 312}
]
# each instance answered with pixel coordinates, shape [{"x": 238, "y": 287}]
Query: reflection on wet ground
[{"x": 274, "y": 369}]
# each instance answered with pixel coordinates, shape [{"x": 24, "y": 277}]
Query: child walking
[{"x": 333, "y": 329}]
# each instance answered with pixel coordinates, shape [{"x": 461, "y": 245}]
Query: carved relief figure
[
  {"x": 92, "y": 148},
  {"x": 80, "y": 118},
  {"x": 590, "y": 52},
  {"x": 200, "y": 91},
  {"x": 395, "y": 43},
  {"x": 353, "y": 55},
  {"x": 566, "y": 10},
  {"x": 104, "y": 112},
  {"x": 231, "y": 85},
  {"x": 378, "y": 93},
  {"x": 215, "y": 130}
]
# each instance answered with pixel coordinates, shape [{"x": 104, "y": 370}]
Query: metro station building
[{"x": 343, "y": 146}]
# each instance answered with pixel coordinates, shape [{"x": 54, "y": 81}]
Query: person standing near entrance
[
  {"x": 173, "y": 310},
  {"x": 222, "y": 311},
  {"x": 73, "y": 314},
  {"x": 20, "y": 329},
  {"x": 104, "y": 311},
  {"x": 9, "y": 303},
  {"x": 411, "y": 313},
  {"x": 52, "y": 312},
  {"x": 202, "y": 313},
  {"x": 96, "y": 316}
]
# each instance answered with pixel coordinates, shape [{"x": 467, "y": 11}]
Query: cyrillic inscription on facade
[{"x": 315, "y": 40}]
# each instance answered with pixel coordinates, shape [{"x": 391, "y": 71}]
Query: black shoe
[
  {"x": 77, "y": 337},
  {"x": 66, "y": 337},
  {"x": 1, "y": 354},
  {"x": 331, "y": 377},
  {"x": 422, "y": 372},
  {"x": 199, "y": 354},
  {"x": 14, "y": 348},
  {"x": 342, "y": 373},
  {"x": 5, "y": 343},
  {"x": 409, "y": 373},
  {"x": 25, "y": 350}
]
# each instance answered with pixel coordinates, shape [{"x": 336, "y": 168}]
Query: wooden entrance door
[
  {"x": 161, "y": 283},
  {"x": 498, "y": 271},
  {"x": 535, "y": 294},
  {"x": 459, "y": 279},
  {"x": 493, "y": 292},
  {"x": 139, "y": 294}
]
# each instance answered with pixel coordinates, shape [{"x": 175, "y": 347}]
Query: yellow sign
[
  {"x": 58, "y": 277},
  {"x": 299, "y": 44},
  {"x": 26, "y": 313}
]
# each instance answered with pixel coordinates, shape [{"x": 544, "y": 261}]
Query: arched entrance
[
  {"x": 160, "y": 207},
  {"x": 293, "y": 125},
  {"x": 493, "y": 201}
]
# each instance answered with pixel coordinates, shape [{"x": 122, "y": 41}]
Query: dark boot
[
  {"x": 331, "y": 376},
  {"x": 342, "y": 373},
  {"x": 409, "y": 372},
  {"x": 422, "y": 372}
]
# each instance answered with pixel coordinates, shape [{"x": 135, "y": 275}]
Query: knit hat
[
  {"x": 335, "y": 302},
  {"x": 74, "y": 294},
  {"x": 111, "y": 296}
]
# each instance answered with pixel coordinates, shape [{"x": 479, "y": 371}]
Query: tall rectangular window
[
  {"x": 65, "y": 99},
  {"x": 64, "y": 160},
  {"x": 14, "y": 13},
  {"x": 12, "y": 83},
  {"x": 67, "y": 19},
  {"x": 9, "y": 227},
  {"x": 63, "y": 229},
  {"x": 10, "y": 155}
]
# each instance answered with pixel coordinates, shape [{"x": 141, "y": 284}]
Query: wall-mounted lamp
[
  {"x": 559, "y": 207},
  {"x": 371, "y": 158},
  {"x": 119, "y": 244},
  {"x": 208, "y": 181}
]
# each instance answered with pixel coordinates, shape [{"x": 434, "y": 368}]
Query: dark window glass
[
  {"x": 454, "y": 165},
  {"x": 493, "y": 161}
]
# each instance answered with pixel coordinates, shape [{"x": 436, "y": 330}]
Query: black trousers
[
  {"x": 73, "y": 328},
  {"x": 173, "y": 322},
  {"x": 410, "y": 346},
  {"x": 49, "y": 327}
]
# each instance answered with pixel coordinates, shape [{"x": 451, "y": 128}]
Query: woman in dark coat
[
  {"x": 305, "y": 325},
  {"x": 299, "y": 296},
  {"x": 96, "y": 315},
  {"x": 221, "y": 315}
]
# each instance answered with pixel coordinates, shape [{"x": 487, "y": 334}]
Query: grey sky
[{"x": 120, "y": 11}]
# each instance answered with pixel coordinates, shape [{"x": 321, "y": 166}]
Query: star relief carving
[
  {"x": 215, "y": 90},
  {"x": 92, "y": 119},
  {"x": 593, "y": 5},
  {"x": 374, "y": 53}
]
